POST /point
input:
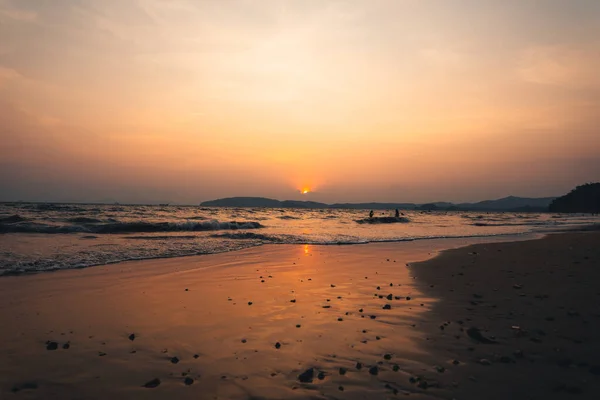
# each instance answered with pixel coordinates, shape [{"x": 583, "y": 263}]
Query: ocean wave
[
  {"x": 130, "y": 227},
  {"x": 12, "y": 219},
  {"x": 83, "y": 220},
  {"x": 247, "y": 235},
  {"x": 284, "y": 217},
  {"x": 383, "y": 220}
]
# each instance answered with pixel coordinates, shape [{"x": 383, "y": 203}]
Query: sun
[{"x": 305, "y": 191}]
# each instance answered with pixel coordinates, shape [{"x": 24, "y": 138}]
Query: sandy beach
[{"x": 301, "y": 321}]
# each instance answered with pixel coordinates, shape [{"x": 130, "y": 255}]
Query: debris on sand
[
  {"x": 51, "y": 345},
  {"x": 307, "y": 376},
  {"x": 132, "y": 337},
  {"x": 475, "y": 334},
  {"x": 152, "y": 384}
]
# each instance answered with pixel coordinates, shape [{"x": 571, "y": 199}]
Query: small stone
[
  {"x": 332, "y": 285},
  {"x": 343, "y": 371},
  {"x": 188, "y": 381},
  {"x": 307, "y": 376},
  {"x": 439, "y": 369},
  {"x": 66, "y": 346},
  {"x": 152, "y": 384},
  {"x": 249, "y": 303},
  {"x": 359, "y": 365},
  {"x": 396, "y": 368},
  {"x": 51, "y": 345},
  {"x": 196, "y": 356},
  {"x": 407, "y": 297},
  {"x": 277, "y": 345},
  {"x": 293, "y": 301},
  {"x": 340, "y": 319},
  {"x": 132, "y": 337},
  {"x": 321, "y": 375},
  {"x": 378, "y": 288},
  {"x": 372, "y": 316},
  {"x": 455, "y": 362},
  {"x": 387, "y": 307},
  {"x": 389, "y": 296},
  {"x": 387, "y": 356},
  {"x": 244, "y": 340},
  {"x": 374, "y": 370},
  {"x": 485, "y": 361},
  {"x": 298, "y": 325},
  {"x": 174, "y": 360},
  {"x": 341, "y": 388},
  {"x": 101, "y": 354}
]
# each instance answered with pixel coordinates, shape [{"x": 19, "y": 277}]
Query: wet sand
[
  {"x": 251, "y": 324},
  {"x": 521, "y": 319}
]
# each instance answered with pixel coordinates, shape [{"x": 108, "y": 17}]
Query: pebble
[
  {"x": 277, "y": 345},
  {"x": 132, "y": 337},
  {"x": 152, "y": 384},
  {"x": 343, "y": 371},
  {"x": 374, "y": 370},
  {"x": 387, "y": 307},
  {"x": 188, "y": 381},
  {"x": 307, "y": 376},
  {"x": 51, "y": 345},
  {"x": 485, "y": 361},
  {"x": 174, "y": 360}
]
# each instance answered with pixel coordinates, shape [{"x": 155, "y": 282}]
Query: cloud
[
  {"x": 561, "y": 66},
  {"x": 8, "y": 74}
]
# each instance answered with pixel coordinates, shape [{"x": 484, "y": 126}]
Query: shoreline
[
  {"x": 183, "y": 307},
  {"x": 515, "y": 236}
]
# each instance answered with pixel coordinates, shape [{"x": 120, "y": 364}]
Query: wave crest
[{"x": 131, "y": 227}]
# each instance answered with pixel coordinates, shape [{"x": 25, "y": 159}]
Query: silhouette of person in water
[
  {"x": 397, "y": 213},
  {"x": 371, "y": 214}
]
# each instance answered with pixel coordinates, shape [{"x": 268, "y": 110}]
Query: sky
[{"x": 182, "y": 101}]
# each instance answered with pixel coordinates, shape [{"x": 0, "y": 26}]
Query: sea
[{"x": 36, "y": 237}]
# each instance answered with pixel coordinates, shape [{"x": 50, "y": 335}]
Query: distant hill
[
  {"x": 375, "y": 206},
  {"x": 511, "y": 203},
  {"x": 582, "y": 199},
  {"x": 242, "y": 202}
]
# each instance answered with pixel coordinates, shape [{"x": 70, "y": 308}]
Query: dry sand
[{"x": 192, "y": 318}]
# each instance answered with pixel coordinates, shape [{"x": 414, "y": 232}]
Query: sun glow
[{"x": 305, "y": 190}]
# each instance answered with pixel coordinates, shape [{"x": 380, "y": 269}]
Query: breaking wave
[{"x": 129, "y": 227}]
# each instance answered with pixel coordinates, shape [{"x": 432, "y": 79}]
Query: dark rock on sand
[
  {"x": 389, "y": 296},
  {"x": 359, "y": 365},
  {"x": 387, "y": 307},
  {"x": 188, "y": 381},
  {"x": 343, "y": 371},
  {"x": 475, "y": 334},
  {"x": 307, "y": 376},
  {"x": 132, "y": 337},
  {"x": 66, "y": 346},
  {"x": 152, "y": 384},
  {"x": 374, "y": 370},
  {"x": 196, "y": 356},
  {"x": 277, "y": 345},
  {"x": 174, "y": 360},
  {"x": 321, "y": 375},
  {"x": 51, "y": 345}
]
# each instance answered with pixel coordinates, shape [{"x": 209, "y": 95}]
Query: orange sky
[{"x": 399, "y": 100}]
